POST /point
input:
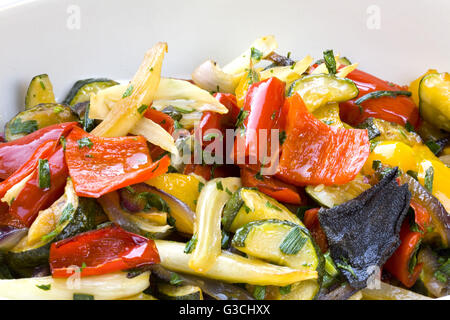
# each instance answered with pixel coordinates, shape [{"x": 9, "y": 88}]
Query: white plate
[{"x": 397, "y": 40}]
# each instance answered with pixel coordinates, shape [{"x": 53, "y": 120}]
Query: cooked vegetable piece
[
  {"x": 117, "y": 162},
  {"x": 39, "y": 91},
  {"x": 141, "y": 197},
  {"x": 52, "y": 221},
  {"x": 232, "y": 268},
  {"x": 261, "y": 112},
  {"x": 288, "y": 73},
  {"x": 32, "y": 198},
  {"x": 329, "y": 114},
  {"x": 330, "y": 196},
  {"x": 271, "y": 186},
  {"x": 82, "y": 89},
  {"x": 103, "y": 287},
  {"x": 9, "y": 237},
  {"x": 91, "y": 251},
  {"x": 382, "y": 130},
  {"x": 218, "y": 290},
  {"x": 389, "y": 292},
  {"x": 400, "y": 109},
  {"x": 207, "y": 231},
  {"x": 15, "y": 153},
  {"x": 124, "y": 115},
  {"x": 434, "y": 278},
  {"x": 25, "y": 256},
  {"x": 280, "y": 242},
  {"x": 211, "y": 77},
  {"x": 315, "y": 153},
  {"x": 38, "y": 117},
  {"x": 185, "y": 292},
  {"x": 403, "y": 262},
  {"x": 320, "y": 89},
  {"x": 247, "y": 205},
  {"x": 434, "y": 95},
  {"x": 364, "y": 232},
  {"x": 439, "y": 234},
  {"x": 9, "y": 188},
  {"x": 303, "y": 290}
]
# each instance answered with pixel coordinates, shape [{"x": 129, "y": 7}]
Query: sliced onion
[
  {"x": 10, "y": 236},
  {"x": 180, "y": 211},
  {"x": 210, "y": 77},
  {"x": 430, "y": 266},
  {"x": 216, "y": 289},
  {"x": 110, "y": 203}
]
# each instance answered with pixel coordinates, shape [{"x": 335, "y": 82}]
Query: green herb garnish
[
  {"x": 44, "y": 287},
  {"x": 429, "y": 177},
  {"x": 175, "y": 279},
  {"x": 44, "y": 174},
  {"x": 85, "y": 142},
  {"x": 259, "y": 293},
  {"x": 272, "y": 206},
  {"x": 190, "y": 245},
  {"x": 128, "y": 92},
  {"x": 142, "y": 108},
  {"x": 330, "y": 61},
  {"x": 293, "y": 241},
  {"x": 25, "y": 127},
  {"x": 82, "y": 296}
]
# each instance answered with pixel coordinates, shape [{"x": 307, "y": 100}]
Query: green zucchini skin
[
  {"x": 184, "y": 292},
  {"x": 231, "y": 209},
  {"x": 38, "y": 117},
  {"x": 82, "y": 88},
  {"x": 381, "y": 93},
  {"x": 434, "y": 105},
  {"x": 39, "y": 91},
  {"x": 22, "y": 263}
]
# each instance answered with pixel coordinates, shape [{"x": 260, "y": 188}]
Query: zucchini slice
[
  {"x": 231, "y": 267},
  {"x": 280, "y": 242},
  {"x": 303, "y": 290},
  {"x": 38, "y": 117},
  {"x": 247, "y": 205},
  {"x": 434, "y": 97},
  {"x": 330, "y": 196},
  {"x": 382, "y": 130},
  {"x": 39, "y": 91},
  {"x": 82, "y": 89},
  {"x": 170, "y": 292},
  {"x": 319, "y": 89}
]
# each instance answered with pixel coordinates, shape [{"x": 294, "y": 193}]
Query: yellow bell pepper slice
[
  {"x": 181, "y": 186},
  {"x": 392, "y": 153}
]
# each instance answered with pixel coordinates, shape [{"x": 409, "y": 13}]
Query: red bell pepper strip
[
  {"x": 43, "y": 151},
  {"x": 101, "y": 251},
  {"x": 311, "y": 221},
  {"x": 315, "y": 153},
  {"x": 32, "y": 198},
  {"x": 261, "y": 111},
  {"x": 212, "y": 122},
  {"x": 6, "y": 219},
  {"x": 401, "y": 264},
  {"x": 15, "y": 153},
  {"x": 421, "y": 216},
  {"x": 400, "y": 109},
  {"x": 101, "y": 165},
  {"x": 272, "y": 187},
  {"x": 164, "y": 120}
]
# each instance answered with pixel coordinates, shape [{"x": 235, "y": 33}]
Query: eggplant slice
[{"x": 364, "y": 232}]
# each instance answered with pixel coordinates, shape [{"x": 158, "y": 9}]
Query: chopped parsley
[
  {"x": 272, "y": 206},
  {"x": 142, "y": 108},
  {"x": 23, "y": 127},
  {"x": 219, "y": 185},
  {"x": 175, "y": 279},
  {"x": 190, "y": 245},
  {"x": 128, "y": 92},
  {"x": 44, "y": 287},
  {"x": 44, "y": 174},
  {"x": 256, "y": 54},
  {"x": 85, "y": 142}
]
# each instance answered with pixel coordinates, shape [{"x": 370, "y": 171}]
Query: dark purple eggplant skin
[
  {"x": 10, "y": 236},
  {"x": 440, "y": 218},
  {"x": 364, "y": 232}
]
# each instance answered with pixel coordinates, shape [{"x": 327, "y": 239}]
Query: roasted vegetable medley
[{"x": 271, "y": 178}]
